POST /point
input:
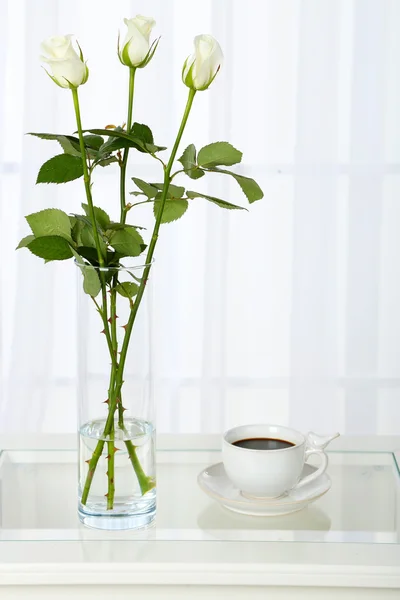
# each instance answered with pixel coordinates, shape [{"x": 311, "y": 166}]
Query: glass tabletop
[{"x": 38, "y": 502}]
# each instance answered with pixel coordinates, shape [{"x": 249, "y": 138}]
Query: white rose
[
  {"x": 68, "y": 69},
  {"x": 136, "y": 50},
  {"x": 202, "y": 66}
]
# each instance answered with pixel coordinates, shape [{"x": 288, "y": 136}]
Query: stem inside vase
[{"x": 116, "y": 430}]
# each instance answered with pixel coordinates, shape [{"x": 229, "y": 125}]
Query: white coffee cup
[{"x": 271, "y": 473}]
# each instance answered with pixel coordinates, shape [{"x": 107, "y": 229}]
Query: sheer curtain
[{"x": 289, "y": 313}]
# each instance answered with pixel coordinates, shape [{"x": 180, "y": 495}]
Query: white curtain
[{"x": 289, "y": 313}]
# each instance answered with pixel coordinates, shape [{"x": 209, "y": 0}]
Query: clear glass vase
[{"x": 117, "y": 478}]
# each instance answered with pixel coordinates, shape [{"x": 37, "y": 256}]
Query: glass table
[
  {"x": 38, "y": 502},
  {"x": 349, "y": 537}
]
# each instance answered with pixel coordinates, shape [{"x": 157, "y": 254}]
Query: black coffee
[{"x": 263, "y": 444}]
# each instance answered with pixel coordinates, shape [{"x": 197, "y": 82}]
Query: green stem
[
  {"x": 103, "y": 312},
  {"x": 114, "y": 339},
  {"x": 99, "y": 449},
  {"x": 110, "y": 475},
  {"x": 119, "y": 379},
  {"x": 154, "y": 238},
  {"x": 113, "y": 316},
  {"x": 145, "y": 483},
  {"x": 92, "y": 467},
  {"x": 177, "y": 173},
  {"x": 86, "y": 177},
  {"x": 143, "y": 202},
  {"x": 114, "y": 363},
  {"x": 132, "y": 72},
  {"x": 103, "y": 315}
]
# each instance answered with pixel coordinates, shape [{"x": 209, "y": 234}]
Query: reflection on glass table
[{"x": 38, "y": 502}]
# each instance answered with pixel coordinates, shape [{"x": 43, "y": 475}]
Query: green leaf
[
  {"x": 127, "y": 289},
  {"x": 25, "y": 241},
  {"x": 142, "y": 132},
  {"x": 173, "y": 210},
  {"x": 124, "y": 226},
  {"x": 195, "y": 173},
  {"x": 87, "y": 236},
  {"x": 68, "y": 143},
  {"x": 51, "y": 247},
  {"x": 82, "y": 218},
  {"x": 218, "y": 153},
  {"x": 83, "y": 233},
  {"x": 77, "y": 227},
  {"x": 217, "y": 201},
  {"x": 60, "y": 169},
  {"x": 112, "y": 258},
  {"x": 89, "y": 254},
  {"x": 149, "y": 190},
  {"x": 127, "y": 241},
  {"x": 250, "y": 188},
  {"x": 188, "y": 161},
  {"x": 188, "y": 158},
  {"x": 93, "y": 141},
  {"x": 145, "y": 135},
  {"x": 114, "y": 143},
  {"x": 128, "y": 140},
  {"x": 51, "y": 221},
  {"x": 104, "y": 162},
  {"x": 174, "y": 191},
  {"x": 91, "y": 279},
  {"x": 102, "y": 218}
]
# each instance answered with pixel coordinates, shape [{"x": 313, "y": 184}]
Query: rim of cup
[{"x": 232, "y": 430}]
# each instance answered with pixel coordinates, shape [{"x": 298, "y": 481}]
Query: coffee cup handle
[
  {"x": 316, "y": 445},
  {"x": 321, "y": 469}
]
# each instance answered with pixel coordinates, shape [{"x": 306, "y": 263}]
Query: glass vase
[{"x": 117, "y": 478}]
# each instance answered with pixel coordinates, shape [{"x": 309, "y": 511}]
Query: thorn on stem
[
  {"x": 124, "y": 326},
  {"x": 106, "y": 495},
  {"x": 116, "y": 449},
  {"x": 106, "y": 401},
  {"x": 108, "y": 456},
  {"x": 104, "y": 331},
  {"x": 88, "y": 461}
]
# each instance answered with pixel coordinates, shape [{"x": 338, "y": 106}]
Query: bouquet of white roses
[{"x": 99, "y": 244}]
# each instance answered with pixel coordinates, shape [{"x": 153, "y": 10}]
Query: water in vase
[{"x": 129, "y": 492}]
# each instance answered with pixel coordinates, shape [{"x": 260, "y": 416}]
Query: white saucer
[{"x": 215, "y": 483}]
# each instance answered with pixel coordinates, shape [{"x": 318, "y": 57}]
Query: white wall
[{"x": 289, "y": 313}]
